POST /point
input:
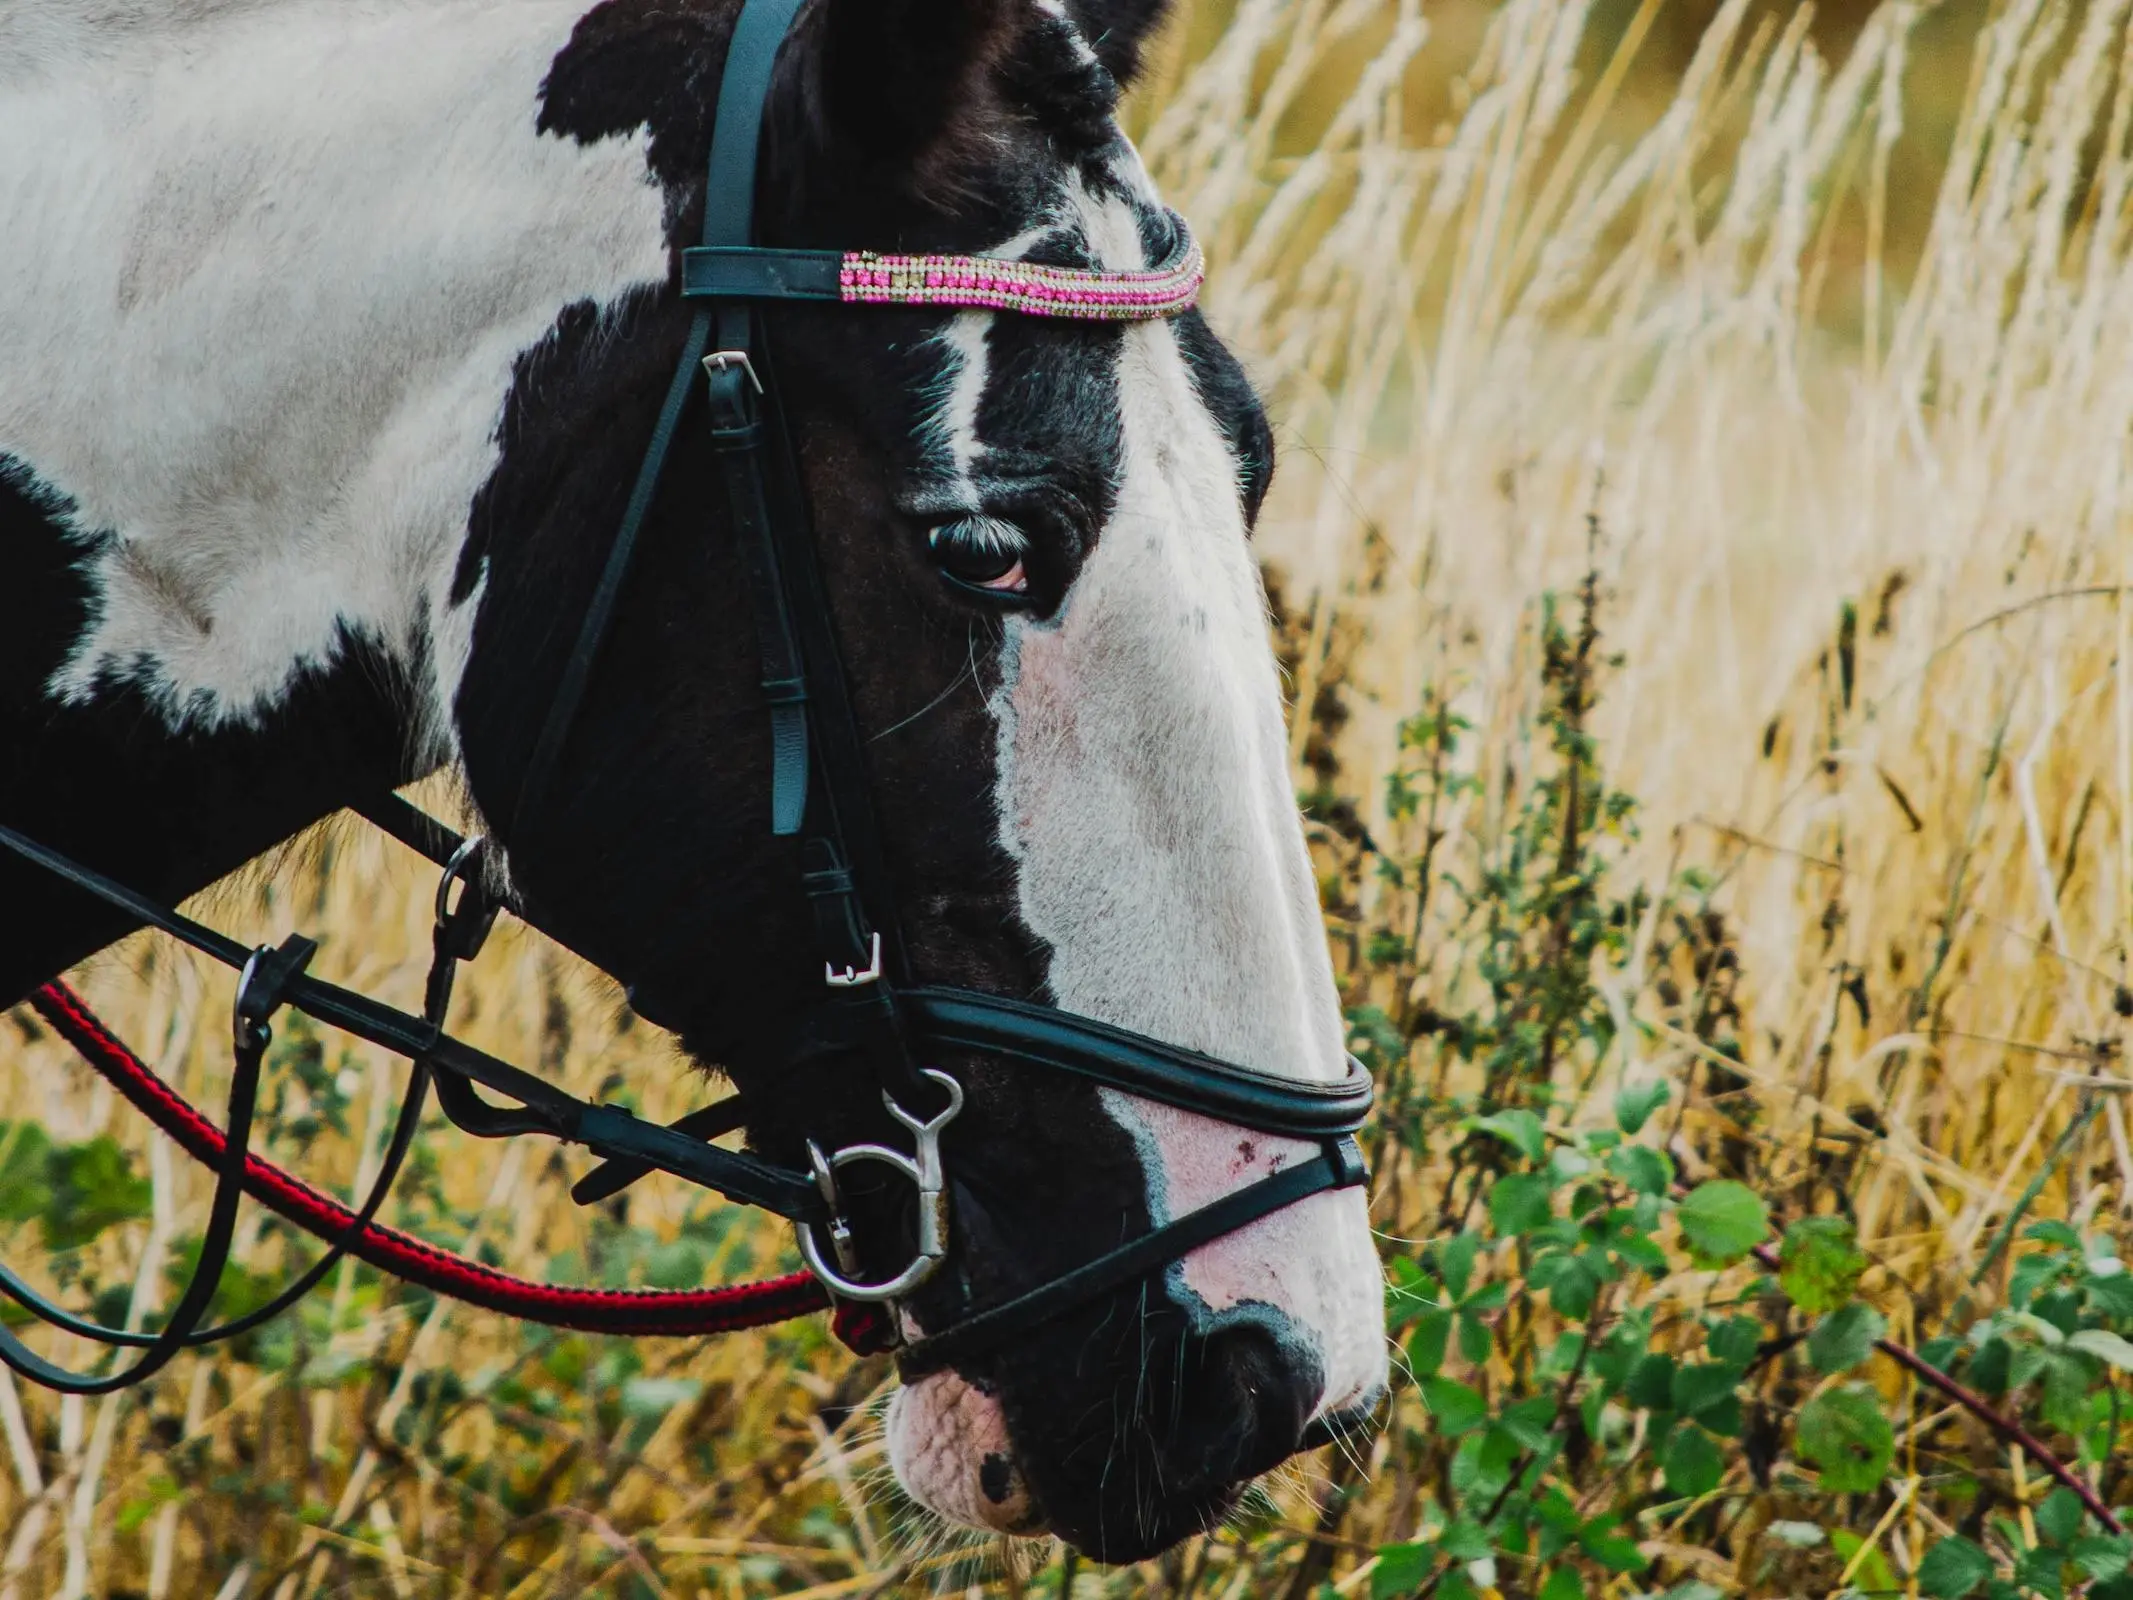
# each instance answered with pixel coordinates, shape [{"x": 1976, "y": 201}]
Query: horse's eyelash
[{"x": 984, "y": 535}]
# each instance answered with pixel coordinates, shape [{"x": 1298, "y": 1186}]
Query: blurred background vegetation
[{"x": 1699, "y": 561}]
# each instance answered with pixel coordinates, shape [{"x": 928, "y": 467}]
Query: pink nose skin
[{"x": 948, "y": 1446}]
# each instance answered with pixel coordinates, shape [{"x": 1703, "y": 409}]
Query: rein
[{"x": 820, "y": 797}]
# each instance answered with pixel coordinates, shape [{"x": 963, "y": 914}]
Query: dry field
[{"x": 1806, "y": 360}]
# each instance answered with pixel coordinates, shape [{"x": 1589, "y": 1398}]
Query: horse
[{"x": 332, "y": 336}]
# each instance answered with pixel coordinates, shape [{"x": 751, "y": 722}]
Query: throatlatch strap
[{"x": 1338, "y": 1166}]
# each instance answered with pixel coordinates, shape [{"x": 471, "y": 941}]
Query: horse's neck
[{"x": 270, "y": 266}]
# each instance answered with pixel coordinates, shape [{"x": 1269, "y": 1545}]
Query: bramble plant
[{"x": 1619, "y": 1378}]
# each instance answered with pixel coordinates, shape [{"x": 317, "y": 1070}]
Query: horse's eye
[{"x": 981, "y": 554}]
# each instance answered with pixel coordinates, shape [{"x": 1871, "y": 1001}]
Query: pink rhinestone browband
[{"x": 1025, "y": 286}]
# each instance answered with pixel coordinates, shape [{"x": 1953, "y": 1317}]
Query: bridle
[{"x": 820, "y": 795}]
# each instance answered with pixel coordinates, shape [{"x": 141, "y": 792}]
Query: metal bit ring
[{"x": 926, "y": 1175}]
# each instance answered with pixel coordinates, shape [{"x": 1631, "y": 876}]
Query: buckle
[
  {"x": 463, "y": 929},
  {"x": 718, "y": 361},
  {"x": 262, "y": 989},
  {"x": 856, "y": 977},
  {"x": 924, "y": 1171}
]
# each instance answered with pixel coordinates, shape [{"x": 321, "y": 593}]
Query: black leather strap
[
  {"x": 253, "y": 1006},
  {"x": 600, "y": 611},
  {"x": 608, "y": 1131},
  {"x": 1338, "y": 1166},
  {"x": 742, "y": 272},
  {"x": 610, "y": 1178},
  {"x": 737, "y": 437},
  {"x": 1046, "y": 1037}
]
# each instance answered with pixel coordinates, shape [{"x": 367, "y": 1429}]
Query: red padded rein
[{"x": 619, "y": 1311}]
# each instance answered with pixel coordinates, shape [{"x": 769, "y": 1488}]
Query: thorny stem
[
  {"x": 1563, "y": 1398},
  {"x": 2006, "y": 1427}
]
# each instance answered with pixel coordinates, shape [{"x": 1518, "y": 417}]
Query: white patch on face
[
  {"x": 268, "y": 270},
  {"x": 1145, "y": 795},
  {"x": 953, "y": 429},
  {"x": 1058, "y": 13}
]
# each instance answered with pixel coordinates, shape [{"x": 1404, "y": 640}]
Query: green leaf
[
  {"x": 1474, "y": 1337},
  {"x": 1691, "y": 1461},
  {"x": 1952, "y": 1568},
  {"x": 2039, "y": 1572},
  {"x": 1735, "y": 1340},
  {"x": 1722, "y": 1221},
  {"x": 1820, "y": 1263},
  {"x": 1464, "y": 1541},
  {"x": 1519, "y": 1128},
  {"x": 2059, "y": 1517},
  {"x": 2105, "y": 1346},
  {"x": 1455, "y": 1262},
  {"x": 1873, "y": 1573},
  {"x": 1401, "y": 1569},
  {"x": 93, "y": 1188},
  {"x": 25, "y": 1179},
  {"x": 1457, "y": 1408},
  {"x": 2032, "y": 1273},
  {"x": 1563, "y": 1584},
  {"x": 1844, "y": 1338},
  {"x": 1700, "y": 1388},
  {"x": 2102, "y": 1558},
  {"x": 1409, "y": 1292},
  {"x": 1611, "y": 1550},
  {"x": 1636, "y": 1102},
  {"x": 1574, "y": 1293},
  {"x": 1651, "y": 1382},
  {"x": 1519, "y": 1203},
  {"x": 1529, "y": 1422},
  {"x": 1844, "y": 1433},
  {"x": 1644, "y": 1169},
  {"x": 2110, "y": 1292},
  {"x": 1425, "y": 1346}
]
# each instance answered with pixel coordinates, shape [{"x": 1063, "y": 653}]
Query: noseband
[{"x": 868, "y": 1009}]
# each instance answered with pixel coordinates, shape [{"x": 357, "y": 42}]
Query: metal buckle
[
  {"x": 468, "y": 934},
  {"x": 719, "y": 360},
  {"x": 924, "y": 1172},
  {"x": 854, "y": 977}
]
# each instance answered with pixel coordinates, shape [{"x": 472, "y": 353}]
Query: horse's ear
[
  {"x": 1116, "y": 30},
  {"x": 897, "y": 73}
]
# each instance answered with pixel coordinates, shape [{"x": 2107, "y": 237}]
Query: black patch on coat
[{"x": 108, "y": 783}]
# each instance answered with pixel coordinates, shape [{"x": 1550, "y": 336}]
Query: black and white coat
[{"x": 331, "y": 332}]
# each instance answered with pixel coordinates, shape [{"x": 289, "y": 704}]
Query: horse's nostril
[{"x": 1246, "y": 1405}]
